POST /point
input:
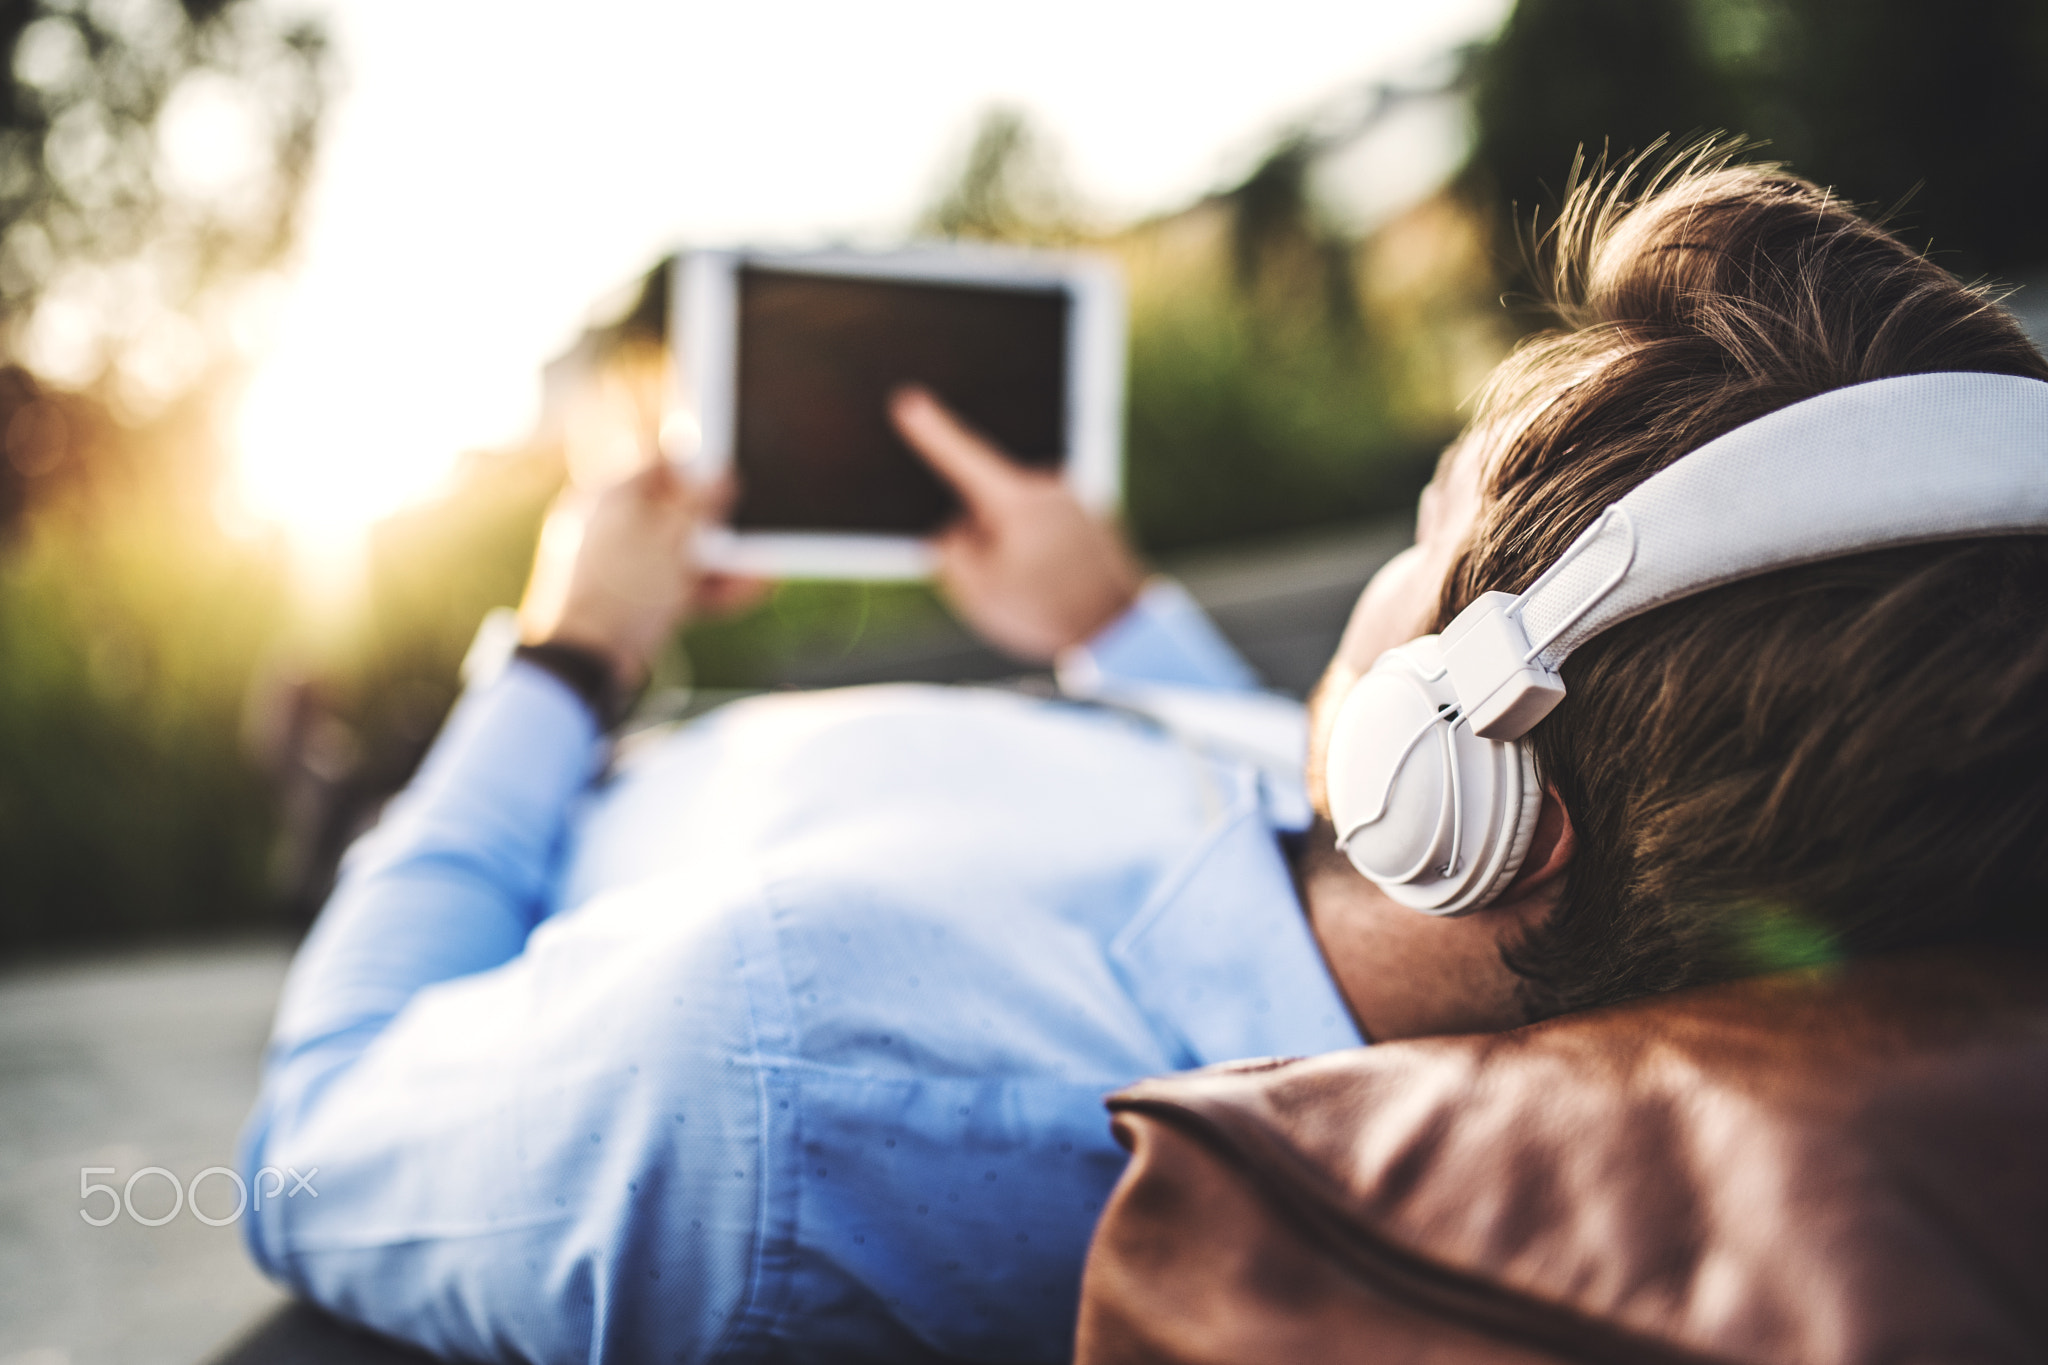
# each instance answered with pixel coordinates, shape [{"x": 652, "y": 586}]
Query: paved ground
[
  {"x": 128, "y": 1062},
  {"x": 150, "y": 1059}
]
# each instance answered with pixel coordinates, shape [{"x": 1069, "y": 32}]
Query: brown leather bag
[{"x": 1816, "y": 1168}]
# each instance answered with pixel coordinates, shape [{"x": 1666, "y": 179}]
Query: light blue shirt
[{"x": 788, "y": 1039}]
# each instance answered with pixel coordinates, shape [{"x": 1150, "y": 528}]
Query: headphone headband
[{"x": 1898, "y": 461}]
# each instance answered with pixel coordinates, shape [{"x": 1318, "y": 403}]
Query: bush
[{"x": 128, "y": 802}]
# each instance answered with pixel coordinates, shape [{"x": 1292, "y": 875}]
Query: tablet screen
[{"x": 818, "y": 356}]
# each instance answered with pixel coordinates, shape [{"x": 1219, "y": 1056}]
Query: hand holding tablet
[
  {"x": 615, "y": 572},
  {"x": 1025, "y": 564},
  {"x": 885, "y": 415}
]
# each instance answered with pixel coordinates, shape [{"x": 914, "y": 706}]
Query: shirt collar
[
  {"x": 1267, "y": 731},
  {"x": 1222, "y": 957}
]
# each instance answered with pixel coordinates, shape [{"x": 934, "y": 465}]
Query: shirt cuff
[
  {"x": 523, "y": 738},
  {"x": 1165, "y": 637}
]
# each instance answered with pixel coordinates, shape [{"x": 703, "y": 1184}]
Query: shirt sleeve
[
  {"x": 1165, "y": 637},
  {"x": 450, "y": 883},
  {"x": 510, "y": 1128}
]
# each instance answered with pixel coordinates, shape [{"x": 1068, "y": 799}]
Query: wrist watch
[{"x": 584, "y": 672}]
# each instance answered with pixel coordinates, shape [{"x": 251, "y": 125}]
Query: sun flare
[{"x": 327, "y": 443}]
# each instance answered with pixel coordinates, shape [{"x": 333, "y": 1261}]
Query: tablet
[{"x": 784, "y": 363}]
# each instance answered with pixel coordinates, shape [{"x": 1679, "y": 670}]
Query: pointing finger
[{"x": 982, "y": 475}]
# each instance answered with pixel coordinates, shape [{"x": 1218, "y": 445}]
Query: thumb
[{"x": 982, "y": 475}]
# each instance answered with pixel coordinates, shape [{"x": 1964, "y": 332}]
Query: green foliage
[
  {"x": 1245, "y": 421},
  {"x": 1259, "y": 399},
  {"x": 1944, "y": 107},
  {"x": 128, "y": 804}
]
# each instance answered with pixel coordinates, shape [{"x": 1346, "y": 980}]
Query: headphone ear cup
[
  {"x": 1524, "y": 826},
  {"x": 1435, "y": 816}
]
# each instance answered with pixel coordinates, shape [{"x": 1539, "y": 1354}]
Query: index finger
[{"x": 982, "y": 474}]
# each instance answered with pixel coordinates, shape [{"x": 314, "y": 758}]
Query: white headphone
[{"x": 1431, "y": 787}]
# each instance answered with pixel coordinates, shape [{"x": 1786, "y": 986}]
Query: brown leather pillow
[{"x": 1821, "y": 1168}]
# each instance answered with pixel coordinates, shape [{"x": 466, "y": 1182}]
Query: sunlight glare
[{"x": 328, "y": 442}]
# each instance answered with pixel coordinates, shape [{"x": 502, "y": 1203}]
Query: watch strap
[{"x": 586, "y": 673}]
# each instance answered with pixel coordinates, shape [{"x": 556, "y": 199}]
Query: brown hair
[{"x": 1830, "y": 760}]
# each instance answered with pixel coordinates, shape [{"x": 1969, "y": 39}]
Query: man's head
[{"x": 1838, "y": 758}]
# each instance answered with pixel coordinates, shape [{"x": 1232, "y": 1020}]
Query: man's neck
[{"x": 1404, "y": 974}]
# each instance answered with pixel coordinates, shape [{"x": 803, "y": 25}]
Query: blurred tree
[
  {"x": 1284, "y": 254},
  {"x": 158, "y": 143},
  {"x": 152, "y": 157},
  {"x": 1943, "y": 108},
  {"x": 1008, "y": 187}
]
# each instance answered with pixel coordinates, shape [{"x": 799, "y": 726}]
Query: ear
[{"x": 1550, "y": 852}]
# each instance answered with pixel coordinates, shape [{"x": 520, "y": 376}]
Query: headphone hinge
[{"x": 1502, "y": 690}]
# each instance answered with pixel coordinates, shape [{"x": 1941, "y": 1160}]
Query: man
[{"x": 788, "y": 1039}]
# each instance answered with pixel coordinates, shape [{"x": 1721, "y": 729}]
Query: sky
[{"x": 490, "y": 171}]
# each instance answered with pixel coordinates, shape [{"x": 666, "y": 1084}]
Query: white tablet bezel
[{"x": 700, "y": 430}]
